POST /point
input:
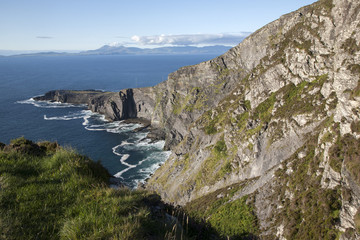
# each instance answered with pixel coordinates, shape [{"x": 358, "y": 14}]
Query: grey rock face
[
  {"x": 315, "y": 50},
  {"x": 128, "y": 104}
]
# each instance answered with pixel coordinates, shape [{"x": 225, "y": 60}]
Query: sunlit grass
[{"x": 47, "y": 192}]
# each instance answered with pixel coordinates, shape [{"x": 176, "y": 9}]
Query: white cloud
[{"x": 191, "y": 39}]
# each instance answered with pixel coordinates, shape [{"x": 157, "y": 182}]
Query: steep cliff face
[{"x": 278, "y": 113}]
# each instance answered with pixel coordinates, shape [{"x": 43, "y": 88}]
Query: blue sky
[{"x": 89, "y": 24}]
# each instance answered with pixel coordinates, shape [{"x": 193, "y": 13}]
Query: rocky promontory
[
  {"x": 115, "y": 106},
  {"x": 128, "y": 105}
]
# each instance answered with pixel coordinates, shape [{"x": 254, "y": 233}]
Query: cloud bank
[{"x": 191, "y": 39}]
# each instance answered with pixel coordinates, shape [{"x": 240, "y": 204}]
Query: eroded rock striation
[{"x": 274, "y": 120}]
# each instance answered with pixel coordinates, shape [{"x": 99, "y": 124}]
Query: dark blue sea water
[{"x": 125, "y": 154}]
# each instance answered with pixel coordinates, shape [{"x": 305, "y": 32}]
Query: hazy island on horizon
[{"x": 122, "y": 50}]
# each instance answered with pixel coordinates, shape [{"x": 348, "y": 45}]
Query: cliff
[
  {"x": 278, "y": 115},
  {"x": 272, "y": 126}
]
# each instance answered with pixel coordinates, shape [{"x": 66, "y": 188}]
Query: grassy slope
[
  {"x": 50, "y": 193},
  {"x": 231, "y": 219}
]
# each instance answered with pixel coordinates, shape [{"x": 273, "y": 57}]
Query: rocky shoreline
[
  {"x": 115, "y": 106},
  {"x": 155, "y": 134}
]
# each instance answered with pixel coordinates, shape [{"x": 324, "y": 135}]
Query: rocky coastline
[
  {"x": 114, "y": 106},
  {"x": 273, "y": 125}
]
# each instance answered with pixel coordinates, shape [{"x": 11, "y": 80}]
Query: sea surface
[{"x": 127, "y": 155}]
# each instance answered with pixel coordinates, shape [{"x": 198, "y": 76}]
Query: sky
[{"x": 89, "y": 24}]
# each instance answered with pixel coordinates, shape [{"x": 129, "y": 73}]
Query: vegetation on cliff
[
  {"x": 233, "y": 219},
  {"x": 307, "y": 210}
]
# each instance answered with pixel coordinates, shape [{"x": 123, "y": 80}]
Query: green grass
[
  {"x": 215, "y": 166},
  {"x": 193, "y": 101},
  {"x": 47, "y": 192},
  {"x": 210, "y": 129},
  {"x": 234, "y": 219},
  {"x": 220, "y": 148},
  {"x": 298, "y": 101},
  {"x": 242, "y": 120},
  {"x": 264, "y": 109}
]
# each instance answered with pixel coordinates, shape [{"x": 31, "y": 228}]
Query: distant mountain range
[
  {"x": 121, "y": 50},
  {"x": 110, "y": 50}
]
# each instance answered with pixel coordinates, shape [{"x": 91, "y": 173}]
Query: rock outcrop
[
  {"x": 126, "y": 104},
  {"x": 277, "y": 116}
]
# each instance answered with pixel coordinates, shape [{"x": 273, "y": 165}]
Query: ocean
[{"x": 127, "y": 155}]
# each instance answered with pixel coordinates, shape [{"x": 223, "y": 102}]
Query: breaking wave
[
  {"x": 48, "y": 104},
  {"x": 144, "y": 168}
]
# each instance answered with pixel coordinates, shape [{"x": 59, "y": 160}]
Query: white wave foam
[
  {"x": 48, "y": 104},
  {"x": 105, "y": 125},
  {"x": 95, "y": 129},
  {"x": 114, "y": 150},
  {"x": 121, "y": 127},
  {"x": 65, "y": 118},
  {"x": 72, "y": 116},
  {"x": 141, "y": 136},
  {"x": 123, "y": 143},
  {"x": 86, "y": 119},
  {"x": 158, "y": 158},
  {"x": 145, "y": 145},
  {"x": 129, "y": 166},
  {"x": 150, "y": 170},
  {"x": 92, "y": 121},
  {"x": 124, "y": 157},
  {"x": 137, "y": 181},
  {"x": 154, "y": 161},
  {"x": 148, "y": 144}
]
